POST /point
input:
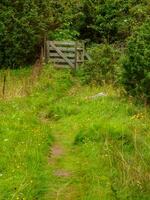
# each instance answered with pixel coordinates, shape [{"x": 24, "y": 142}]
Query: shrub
[
  {"x": 136, "y": 65},
  {"x": 102, "y": 68},
  {"x": 112, "y": 20},
  {"x": 23, "y": 25}
]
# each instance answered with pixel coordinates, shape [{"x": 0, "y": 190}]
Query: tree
[
  {"x": 136, "y": 66},
  {"x": 112, "y": 20},
  {"x": 23, "y": 25}
]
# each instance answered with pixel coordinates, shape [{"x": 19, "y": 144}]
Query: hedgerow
[
  {"x": 136, "y": 65},
  {"x": 103, "y": 66},
  {"x": 23, "y": 25}
]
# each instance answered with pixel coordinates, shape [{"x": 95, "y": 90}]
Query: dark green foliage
[
  {"x": 136, "y": 74},
  {"x": 114, "y": 20},
  {"x": 103, "y": 66},
  {"x": 23, "y": 25},
  {"x": 99, "y": 20},
  {"x": 70, "y": 17}
]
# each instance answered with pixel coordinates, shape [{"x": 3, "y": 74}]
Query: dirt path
[
  {"x": 57, "y": 153},
  {"x": 62, "y": 165}
]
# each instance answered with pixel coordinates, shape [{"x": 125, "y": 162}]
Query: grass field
[{"x": 105, "y": 142}]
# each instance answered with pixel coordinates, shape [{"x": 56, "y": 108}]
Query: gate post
[
  {"x": 46, "y": 49},
  {"x": 76, "y": 56}
]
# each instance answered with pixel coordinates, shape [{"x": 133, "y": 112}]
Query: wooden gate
[{"x": 65, "y": 53}]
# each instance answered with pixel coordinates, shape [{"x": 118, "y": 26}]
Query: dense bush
[
  {"x": 112, "y": 20},
  {"x": 23, "y": 25},
  {"x": 102, "y": 68},
  {"x": 136, "y": 65},
  {"x": 70, "y": 17}
]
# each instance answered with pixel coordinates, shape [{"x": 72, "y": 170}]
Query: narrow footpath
[{"x": 62, "y": 162}]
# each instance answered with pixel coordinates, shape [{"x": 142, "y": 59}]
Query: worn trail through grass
[
  {"x": 58, "y": 143},
  {"x": 63, "y": 160},
  {"x": 94, "y": 139},
  {"x": 62, "y": 164}
]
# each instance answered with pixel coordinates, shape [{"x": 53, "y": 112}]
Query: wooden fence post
[
  {"x": 76, "y": 56},
  {"x": 45, "y": 50},
  {"x": 83, "y": 52},
  {"x": 4, "y": 85}
]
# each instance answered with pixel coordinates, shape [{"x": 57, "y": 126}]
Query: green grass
[
  {"x": 110, "y": 137},
  {"x": 26, "y": 137},
  {"x": 106, "y": 141}
]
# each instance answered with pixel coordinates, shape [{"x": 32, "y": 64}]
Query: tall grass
[
  {"x": 114, "y": 150},
  {"x": 108, "y": 138},
  {"x": 17, "y": 83},
  {"x": 26, "y": 134}
]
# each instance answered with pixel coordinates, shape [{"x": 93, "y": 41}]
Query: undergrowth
[
  {"x": 111, "y": 142},
  {"x": 25, "y": 136},
  {"x": 108, "y": 137}
]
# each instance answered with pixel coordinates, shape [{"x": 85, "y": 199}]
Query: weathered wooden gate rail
[{"x": 66, "y": 53}]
